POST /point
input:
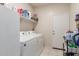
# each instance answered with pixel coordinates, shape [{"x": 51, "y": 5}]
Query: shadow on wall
[{"x": 25, "y": 25}]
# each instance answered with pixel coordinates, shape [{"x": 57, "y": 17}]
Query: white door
[
  {"x": 9, "y": 32},
  {"x": 60, "y": 26}
]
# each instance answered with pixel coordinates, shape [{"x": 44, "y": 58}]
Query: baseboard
[{"x": 58, "y": 48}]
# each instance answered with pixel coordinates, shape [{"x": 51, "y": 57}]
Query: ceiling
[
  {"x": 45, "y": 4},
  {"x": 40, "y": 4}
]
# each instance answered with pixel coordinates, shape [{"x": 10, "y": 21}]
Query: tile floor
[{"x": 51, "y": 52}]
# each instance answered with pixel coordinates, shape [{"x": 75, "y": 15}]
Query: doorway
[{"x": 61, "y": 24}]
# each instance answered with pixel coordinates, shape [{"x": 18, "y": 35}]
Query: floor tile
[{"x": 51, "y": 52}]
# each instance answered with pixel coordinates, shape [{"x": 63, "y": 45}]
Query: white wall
[
  {"x": 73, "y": 11},
  {"x": 45, "y": 15}
]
